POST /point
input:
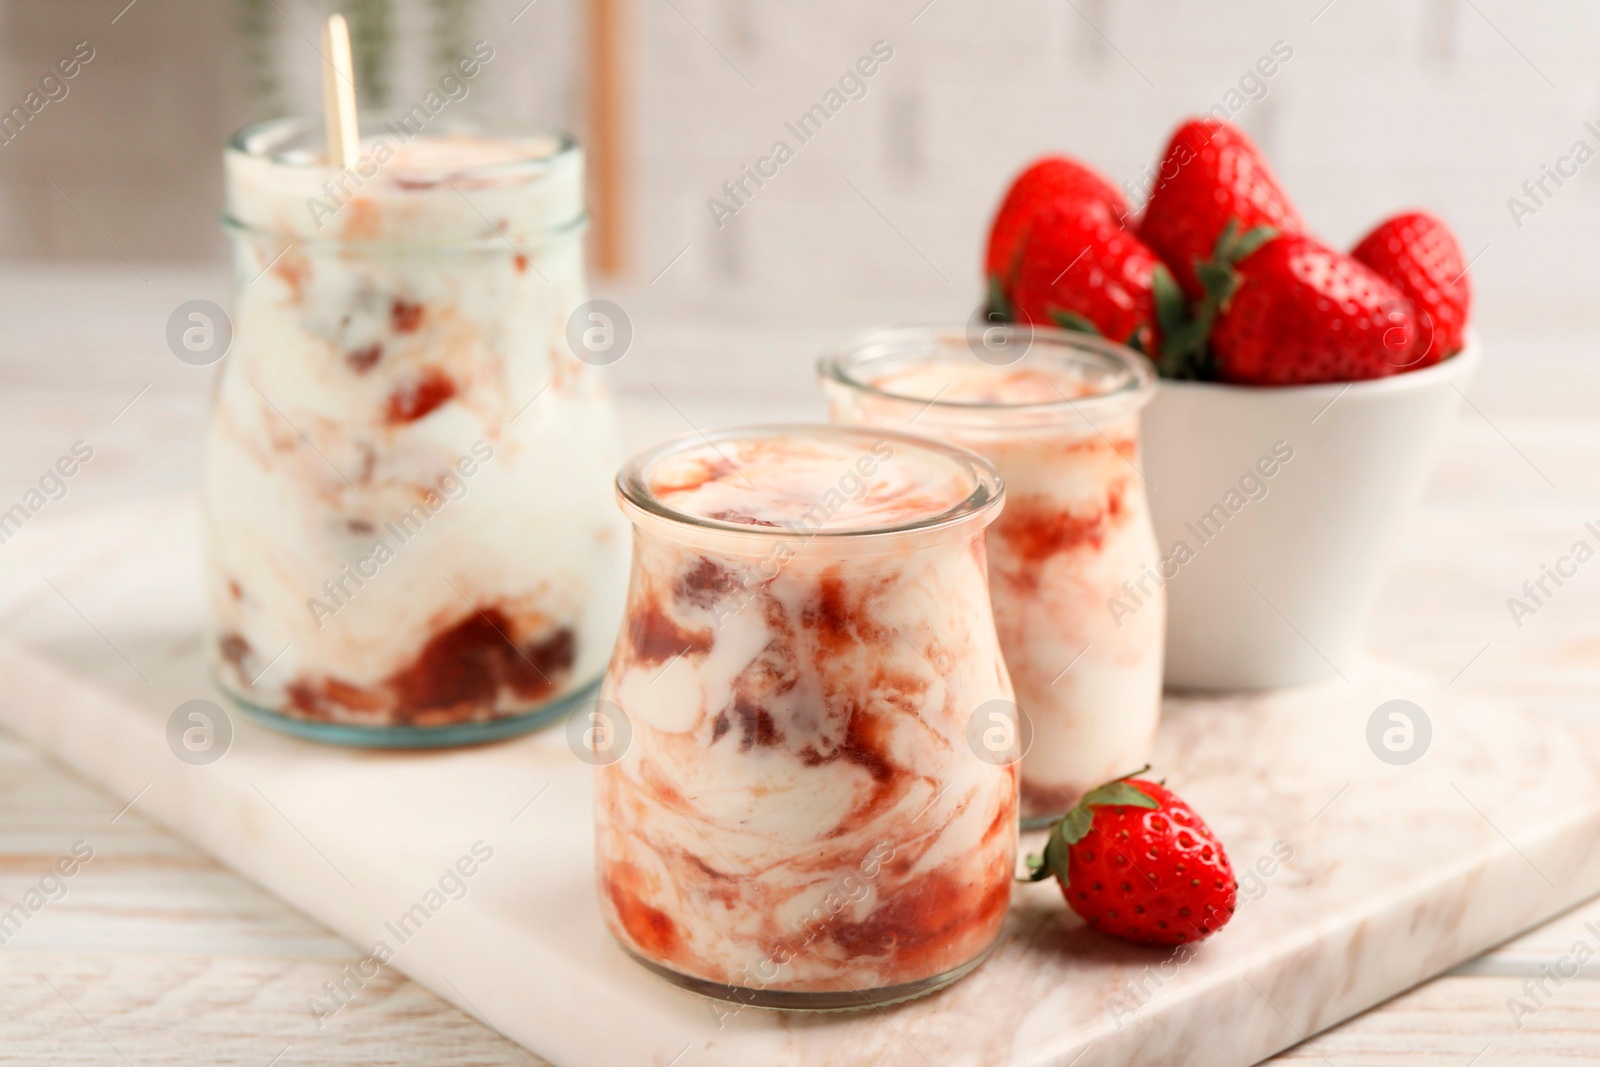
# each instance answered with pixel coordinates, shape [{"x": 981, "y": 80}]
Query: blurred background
[{"x": 109, "y": 196}]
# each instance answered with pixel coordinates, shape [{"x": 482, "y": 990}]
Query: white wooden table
[{"x": 157, "y": 955}]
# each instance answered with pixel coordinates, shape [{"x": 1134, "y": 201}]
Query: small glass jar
[
  {"x": 407, "y": 469},
  {"x": 1073, "y": 567},
  {"x": 800, "y": 817}
]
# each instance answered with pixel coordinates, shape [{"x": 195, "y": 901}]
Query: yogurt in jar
[
  {"x": 1058, "y": 416},
  {"x": 799, "y": 819},
  {"x": 406, "y": 472}
]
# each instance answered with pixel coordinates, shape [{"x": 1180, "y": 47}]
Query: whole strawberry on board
[
  {"x": 1136, "y": 862},
  {"x": 1211, "y": 174},
  {"x": 1417, "y": 254},
  {"x": 1287, "y": 310},
  {"x": 1048, "y": 184}
]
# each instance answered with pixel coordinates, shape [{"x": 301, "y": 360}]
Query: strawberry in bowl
[
  {"x": 1210, "y": 175},
  {"x": 1047, "y": 184},
  {"x": 1080, "y": 271},
  {"x": 1304, "y": 389},
  {"x": 1293, "y": 311},
  {"x": 1417, "y": 254},
  {"x": 1061, "y": 253}
]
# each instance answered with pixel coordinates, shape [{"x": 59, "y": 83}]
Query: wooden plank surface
[{"x": 153, "y": 953}]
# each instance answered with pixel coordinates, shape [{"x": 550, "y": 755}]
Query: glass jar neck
[
  {"x": 801, "y": 508},
  {"x": 961, "y": 377},
  {"x": 452, "y": 180}
]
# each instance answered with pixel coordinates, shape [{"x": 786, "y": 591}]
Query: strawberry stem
[
  {"x": 1186, "y": 325},
  {"x": 1071, "y": 320},
  {"x": 998, "y": 307}
]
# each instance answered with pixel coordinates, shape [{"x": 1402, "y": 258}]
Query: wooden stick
[{"x": 339, "y": 94}]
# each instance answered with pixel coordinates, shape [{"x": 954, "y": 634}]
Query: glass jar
[
  {"x": 1073, "y": 567},
  {"x": 801, "y": 816},
  {"x": 406, "y": 470}
]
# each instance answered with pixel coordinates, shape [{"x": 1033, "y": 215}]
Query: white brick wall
[{"x": 1385, "y": 104}]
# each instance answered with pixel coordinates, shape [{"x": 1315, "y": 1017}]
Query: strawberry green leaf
[
  {"x": 1056, "y": 858},
  {"x": 1220, "y": 281},
  {"x": 1071, "y": 320},
  {"x": 1185, "y": 351},
  {"x": 1038, "y": 867},
  {"x": 1185, "y": 342},
  {"x": 1184, "y": 332},
  {"x": 1119, "y": 794},
  {"x": 1233, "y": 245},
  {"x": 1172, "y": 307},
  {"x": 1220, "y": 251},
  {"x": 1251, "y": 240},
  {"x": 1074, "y": 826},
  {"x": 998, "y": 308}
]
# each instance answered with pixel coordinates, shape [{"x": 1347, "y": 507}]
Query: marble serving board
[{"x": 1360, "y": 875}]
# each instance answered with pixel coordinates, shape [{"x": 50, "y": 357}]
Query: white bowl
[{"x": 1276, "y": 509}]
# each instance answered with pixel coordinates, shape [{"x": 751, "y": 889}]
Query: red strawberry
[
  {"x": 1054, "y": 182},
  {"x": 1136, "y": 862},
  {"x": 1082, "y": 271},
  {"x": 1211, "y": 174},
  {"x": 1293, "y": 311},
  {"x": 1418, "y": 255}
]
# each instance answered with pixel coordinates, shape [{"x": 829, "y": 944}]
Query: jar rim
[
  {"x": 981, "y": 504},
  {"x": 1132, "y": 376},
  {"x": 273, "y": 139},
  {"x": 296, "y": 143}
]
